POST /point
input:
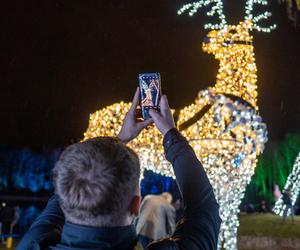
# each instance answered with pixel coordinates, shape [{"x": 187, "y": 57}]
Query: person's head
[
  {"x": 97, "y": 182},
  {"x": 167, "y": 196}
]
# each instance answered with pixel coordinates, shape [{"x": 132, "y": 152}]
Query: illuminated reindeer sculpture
[
  {"x": 293, "y": 184},
  {"x": 222, "y": 125}
]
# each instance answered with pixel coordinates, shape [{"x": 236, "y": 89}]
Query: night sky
[{"x": 62, "y": 60}]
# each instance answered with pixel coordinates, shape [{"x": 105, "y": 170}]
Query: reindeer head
[
  {"x": 231, "y": 45},
  {"x": 219, "y": 42}
]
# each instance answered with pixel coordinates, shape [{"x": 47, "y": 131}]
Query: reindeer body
[
  {"x": 222, "y": 125},
  {"x": 230, "y": 135}
]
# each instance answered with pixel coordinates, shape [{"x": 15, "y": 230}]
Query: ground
[
  {"x": 262, "y": 225},
  {"x": 268, "y": 225}
]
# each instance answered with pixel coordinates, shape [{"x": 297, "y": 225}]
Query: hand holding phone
[
  {"x": 150, "y": 93},
  {"x": 131, "y": 125},
  {"x": 163, "y": 120}
]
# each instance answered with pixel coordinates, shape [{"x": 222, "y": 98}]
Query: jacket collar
[{"x": 98, "y": 237}]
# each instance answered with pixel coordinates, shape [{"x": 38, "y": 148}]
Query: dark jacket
[{"x": 198, "y": 229}]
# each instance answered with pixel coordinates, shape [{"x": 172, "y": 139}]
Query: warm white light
[
  {"x": 256, "y": 19},
  {"x": 230, "y": 135},
  {"x": 227, "y": 138},
  {"x": 293, "y": 182},
  {"x": 218, "y": 7}
]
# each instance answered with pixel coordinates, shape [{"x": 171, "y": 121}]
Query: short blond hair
[{"x": 96, "y": 181}]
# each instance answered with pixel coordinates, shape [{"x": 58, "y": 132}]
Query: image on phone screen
[{"x": 150, "y": 92}]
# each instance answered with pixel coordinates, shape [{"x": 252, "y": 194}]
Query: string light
[
  {"x": 218, "y": 7},
  {"x": 227, "y": 138},
  {"x": 293, "y": 183},
  {"x": 256, "y": 19},
  {"x": 230, "y": 135},
  {"x": 232, "y": 46}
]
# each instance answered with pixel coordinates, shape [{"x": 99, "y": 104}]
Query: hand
[
  {"x": 163, "y": 120},
  {"x": 131, "y": 127}
]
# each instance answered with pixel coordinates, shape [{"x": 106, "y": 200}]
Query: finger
[
  {"x": 135, "y": 101},
  {"x": 164, "y": 105},
  {"x": 155, "y": 115},
  {"x": 145, "y": 123}
]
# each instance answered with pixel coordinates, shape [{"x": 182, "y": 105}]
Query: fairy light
[
  {"x": 217, "y": 9},
  {"x": 293, "y": 182},
  {"x": 237, "y": 76},
  {"x": 256, "y": 19},
  {"x": 108, "y": 122},
  {"x": 227, "y": 138},
  {"x": 230, "y": 135},
  {"x": 237, "y": 72}
]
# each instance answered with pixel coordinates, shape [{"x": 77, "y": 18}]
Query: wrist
[
  {"x": 123, "y": 138},
  {"x": 166, "y": 131}
]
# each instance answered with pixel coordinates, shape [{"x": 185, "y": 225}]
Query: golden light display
[
  {"x": 222, "y": 125},
  {"x": 293, "y": 182}
]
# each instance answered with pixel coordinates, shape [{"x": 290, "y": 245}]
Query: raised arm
[
  {"x": 46, "y": 229},
  {"x": 200, "y": 225}
]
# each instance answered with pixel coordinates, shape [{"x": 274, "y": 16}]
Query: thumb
[
  {"x": 155, "y": 115},
  {"x": 145, "y": 123},
  {"x": 164, "y": 105}
]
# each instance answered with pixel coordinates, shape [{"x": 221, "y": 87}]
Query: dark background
[{"x": 61, "y": 60}]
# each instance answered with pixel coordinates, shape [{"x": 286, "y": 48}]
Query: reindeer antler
[
  {"x": 216, "y": 9},
  {"x": 256, "y": 19}
]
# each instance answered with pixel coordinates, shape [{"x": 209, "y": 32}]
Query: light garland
[
  {"x": 218, "y": 8},
  {"x": 293, "y": 182},
  {"x": 256, "y": 19},
  {"x": 227, "y": 138},
  {"x": 230, "y": 136}
]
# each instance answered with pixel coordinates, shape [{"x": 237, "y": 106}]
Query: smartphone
[{"x": 150, "y": 92}]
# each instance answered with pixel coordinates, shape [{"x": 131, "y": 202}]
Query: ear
[{"x": 135, "y": 205}]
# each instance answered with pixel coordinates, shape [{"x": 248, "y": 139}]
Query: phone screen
[{"x": 150, "y": 90}]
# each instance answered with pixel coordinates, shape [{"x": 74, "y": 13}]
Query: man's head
[{"x": 97, "y": 182}]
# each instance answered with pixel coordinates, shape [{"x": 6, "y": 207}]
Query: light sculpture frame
[
  {"x": 222, "y": 125},
  {"x": 293, "y": 183}
]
